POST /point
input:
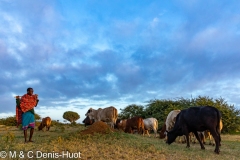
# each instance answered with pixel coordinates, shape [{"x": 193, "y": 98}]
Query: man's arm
[{"x": 37, "y": 102}]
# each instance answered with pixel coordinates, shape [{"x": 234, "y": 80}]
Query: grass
[{"x": 116, "y": 145}]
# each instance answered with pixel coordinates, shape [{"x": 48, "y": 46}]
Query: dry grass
[{"x": 116, "y": 145}]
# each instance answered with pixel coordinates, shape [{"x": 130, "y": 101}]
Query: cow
[
  {"x": 87, "y": 121},
  {"x": 168, "y": 125},
  {"x": 122, "y": 124},
  {"x": 46, "y": 122},
  {"x": 196, "y": 119},
  {"x": 108, "y": 115},
  {"x": 117, "y": 122},
  {"x": 150, "y": 124},
  {"x": 171, "y": 118},
  {"x": 134, "y": 123},
  {"x": 162, "y": 133}
]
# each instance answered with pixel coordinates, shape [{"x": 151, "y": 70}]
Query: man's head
[{"x": 30, "y": 91}]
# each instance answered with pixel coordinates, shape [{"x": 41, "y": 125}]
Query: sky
[{"x": 78, "y": 55}]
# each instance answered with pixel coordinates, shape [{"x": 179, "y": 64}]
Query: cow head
[
  {"x": 173, "y": 134},
  {"x": 89, "y": 111},
  {"x": 88, "y": 121},
  {"x": 161, "y": 134},
  {"x": 40, "y": 127}
]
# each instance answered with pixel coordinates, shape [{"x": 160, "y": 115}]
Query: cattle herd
[{"x": 199, "y": 122}]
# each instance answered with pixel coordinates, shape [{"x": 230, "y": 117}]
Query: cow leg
[
  {"x": 199, "y": 140},
  {"x": 186, "y": 133},
  {"x": 112, "y": 124},
  {"x": 165, "y": 138},
  {"x": 155, "y": 132},
  {"x": 211, "y": 141},
  {"x": 203, "y": 137},
  {"x": 187, "y": 137},
  {"x": 147, "y": 133},
  {"x": 217, "y": 138}
]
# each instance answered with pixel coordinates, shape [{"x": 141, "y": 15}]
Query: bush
[
  {"x": 159, "y": 109},
  {"x": 9, "y": 121}
]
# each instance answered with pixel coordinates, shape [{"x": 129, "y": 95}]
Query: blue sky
[{"x": 82, "y": 54}]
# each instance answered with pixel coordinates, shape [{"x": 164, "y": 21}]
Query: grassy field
[{"x": 113, "y": 145}]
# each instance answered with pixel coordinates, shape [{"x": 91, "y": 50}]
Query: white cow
[
  {"x": 170, "y": 121},
  {"x": 108, "y": 115},
  {"x": 151, "y": 124}
]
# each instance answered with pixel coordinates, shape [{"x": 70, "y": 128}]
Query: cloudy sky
[{"x": 82, "y": 54}]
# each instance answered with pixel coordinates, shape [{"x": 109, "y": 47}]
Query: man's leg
[
  {"x": 25, "y": 135},
  {"x": 31, "y": 134}
]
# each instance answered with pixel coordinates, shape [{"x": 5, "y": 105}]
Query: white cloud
[
  {"x": 154, "y": 22},
  {"x": 33, "y": 82}
]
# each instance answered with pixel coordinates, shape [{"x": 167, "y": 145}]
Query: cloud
[{"x": 96, "y": 54}]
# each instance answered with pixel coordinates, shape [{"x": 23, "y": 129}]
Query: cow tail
[
  {"x": 156, "y": 124},
  {"x": 143, "y": 129},
  {"x": 218, "y": 125},
  {"x": 218, "y": 122},
  {"x": 115, "y": 116}
]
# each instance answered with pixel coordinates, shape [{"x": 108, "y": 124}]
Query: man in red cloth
[{"x": 27, "y": 104}]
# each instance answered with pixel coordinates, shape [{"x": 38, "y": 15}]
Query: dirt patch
[{"x": 98, "y": 127}]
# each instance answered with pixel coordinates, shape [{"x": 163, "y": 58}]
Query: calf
[
  {"x": 196, "y": 119},
  {"x": 46, "y": 122}
]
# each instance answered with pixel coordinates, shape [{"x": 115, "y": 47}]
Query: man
[{"x": 27, "y": 104}]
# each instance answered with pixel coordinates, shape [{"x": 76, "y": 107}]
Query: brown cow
[
  {"x": 162, "y": 133},
  {"x": 135, "y": 122},
  {"x": 45, "y": 122},
  {"x": 122, "y": 124}
]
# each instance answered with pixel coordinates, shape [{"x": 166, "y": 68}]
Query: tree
[
  {"x": 131, "y": 111},
  {"x": 71, "y": 116},
  {"x": 37, "y": 116}
]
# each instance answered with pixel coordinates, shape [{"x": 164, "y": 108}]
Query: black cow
[
  {"x": 196, "y": 119},
  {"x": 88, "y": 121}
]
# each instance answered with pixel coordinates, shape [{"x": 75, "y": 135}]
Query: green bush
[
  {"x": 159, "y": 109},
  {"x": 9, "y": 121}
]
